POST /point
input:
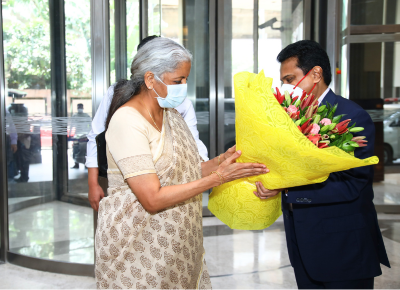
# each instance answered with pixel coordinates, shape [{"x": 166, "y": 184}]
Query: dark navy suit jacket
[{"x": 335, "y": 221}]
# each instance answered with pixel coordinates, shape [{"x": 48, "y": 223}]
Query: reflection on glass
[
  {"x": 42, "y": 221},
  {"x": 375, "y": 12},
  {"x": 279, "y": 24},
  {"x": 79, "y": 93}
]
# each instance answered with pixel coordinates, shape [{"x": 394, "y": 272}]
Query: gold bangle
[{"x": 221, "y": 178}]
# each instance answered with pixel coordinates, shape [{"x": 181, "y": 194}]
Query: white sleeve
[
  {"x": 187, "y": 111},
  {"x": 98, "y": 126}
]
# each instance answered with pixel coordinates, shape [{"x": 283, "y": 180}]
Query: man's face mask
[{"x": 295, "y": 91}]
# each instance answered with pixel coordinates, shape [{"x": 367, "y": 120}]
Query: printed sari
[{"x": 136, "y": 249}]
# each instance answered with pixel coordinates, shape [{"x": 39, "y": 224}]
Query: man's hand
[
  {"x": 264, "y": 193},
  {"x": 14, "y": 148},
  {"x": 96, "y": 193}
]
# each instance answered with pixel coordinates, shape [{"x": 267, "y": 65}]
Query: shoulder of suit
[{"x": 348, "y": 105}]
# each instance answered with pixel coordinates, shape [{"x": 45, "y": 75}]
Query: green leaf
[
  {"x": 337, "y": 118},
  {"x": 321, "y": 108},
  {"x": 347, "y": 137}
]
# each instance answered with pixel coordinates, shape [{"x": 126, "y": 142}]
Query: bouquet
[
  {"x": 318, "y": 124},
  {"x": 267, "y": 134}
]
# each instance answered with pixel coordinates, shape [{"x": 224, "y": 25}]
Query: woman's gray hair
[{"x": 160, "y": 55}]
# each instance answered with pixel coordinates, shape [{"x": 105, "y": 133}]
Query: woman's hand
[
  {"x": 230, "y": 170},
  {"x": 228, "y": 153},
  {"x": 264, "y": 193}
]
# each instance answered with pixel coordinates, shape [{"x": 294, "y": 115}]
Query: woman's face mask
[
  {"x": 295, "y": 91},
  {"x": 175, "y": 96}
]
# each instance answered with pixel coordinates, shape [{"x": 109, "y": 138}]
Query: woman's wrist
[{"x": 215, "y": 179}]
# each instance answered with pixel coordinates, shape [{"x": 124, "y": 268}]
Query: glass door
[
  {"x": 370, "y": 77},
  {"x": 47, "y": 116},
  {"x": 254, "y": 33}
]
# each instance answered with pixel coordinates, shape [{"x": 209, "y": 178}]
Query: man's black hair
[
  {"x": 146, "y": 40},
  {"x": 309, "y": 54}
]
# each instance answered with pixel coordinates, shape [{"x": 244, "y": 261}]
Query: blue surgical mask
[{"x": 175, "y": 96}]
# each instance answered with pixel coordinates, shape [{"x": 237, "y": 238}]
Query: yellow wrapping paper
[{"x": 266, "y": 134}]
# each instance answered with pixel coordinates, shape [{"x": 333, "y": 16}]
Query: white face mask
[
  {"x": 175, "y": 96},
  {"x": 80, "y": 110},
  {"x": 297, "y": 92}
]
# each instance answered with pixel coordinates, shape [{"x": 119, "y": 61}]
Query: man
[
  {"x": 332, "y": 231},
  {"x": 12, "y": 147},
  {"x": 80, "y": 122},
  {"x": 96, "y": 193}
]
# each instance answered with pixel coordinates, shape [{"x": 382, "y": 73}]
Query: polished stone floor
[
  {"x": 54, "y": 230},
  {"x": 236, "y": 260},
  {"x": 387, "y": 192}
]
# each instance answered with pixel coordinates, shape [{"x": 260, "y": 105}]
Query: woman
[{"x": 149, "y": 230}]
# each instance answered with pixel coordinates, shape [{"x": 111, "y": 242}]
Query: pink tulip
[
  {"x": 315, "y": 129},
  {"x": 292, "y": 109},
  {"x": 325, "y": 121}
]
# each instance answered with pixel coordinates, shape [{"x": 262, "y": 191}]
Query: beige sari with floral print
[{"x": 136, "y": 249}]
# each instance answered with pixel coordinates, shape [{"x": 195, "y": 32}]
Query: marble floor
[
  {"x": 54, "y": 230},
  {"x": 236, "y": 260}
]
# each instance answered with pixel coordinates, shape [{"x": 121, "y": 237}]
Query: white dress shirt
[
  {"x": 99, "y": 121},
  {"x": 321, "y": 98}
]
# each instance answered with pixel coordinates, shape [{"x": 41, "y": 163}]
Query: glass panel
[
  {"x": 132, "y": 31},
  {"x": 238, "y": 56},
  {"x": 280, "y": 23},
  {"x": 132, "y": 36},
  {"x": 374, "y": 84},
  {"x": 154, "y": 15},
  {"x": 79, "y": 92},
  {"x": 113, "y": 76},
  {"x": 344, "y": 7},
  {"x": 375, "y": 12},
  {"x": 41, "y": 223}
]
